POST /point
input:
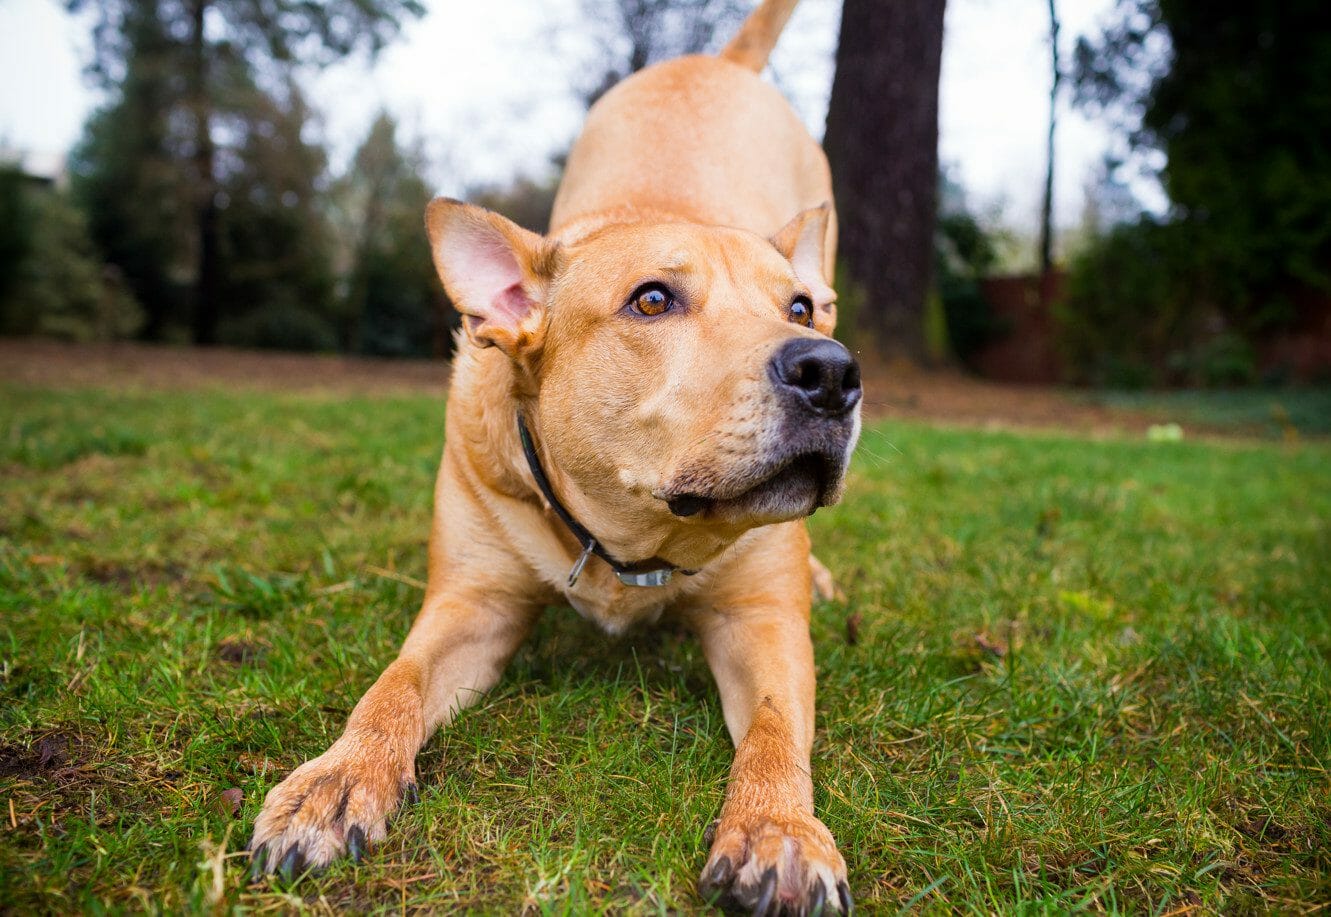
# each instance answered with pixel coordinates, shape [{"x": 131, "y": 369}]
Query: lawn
[{"x": 1070, "y": 673}]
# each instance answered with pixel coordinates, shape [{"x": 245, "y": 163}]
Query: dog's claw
[
  {"x": 774, "y": 868},
  {"x": 766, "y": 895},
  {"x": 819, "y": 901},
  {"x": 709, "y": 833},
  {"x": 292, "y": 863},
  {"x": 847, "y": 905},
  {"x": 410, "y": 794},
  {"x": 717, "y": 879},
  {"x": 258, "y": 864},
  {"x": 356, "y": 843}
]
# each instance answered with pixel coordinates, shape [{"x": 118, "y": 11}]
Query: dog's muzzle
[{"x": 800, "y": 464}]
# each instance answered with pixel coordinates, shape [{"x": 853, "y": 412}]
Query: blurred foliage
[
  {"x": 629, "y": 35},
  {"x": 274, "y": 32},
  {"x": 15, "y": 227},
  {"x": 964, "y": 252},
  {"x": 54, "y": 280},
  {"x": 526, "y": 201},
  {"x": 128, "y": 177},
  {"x": 1131, "y": 316},
  {"x": 1238, "y": 99},
  {"x": 277, "y": 286},
  {"x": 393, "y": 304},
  {"x": 199, "y": 174}
]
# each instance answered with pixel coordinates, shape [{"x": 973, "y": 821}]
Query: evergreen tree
[
  {"x": 201, "y": 60},
  {"x": 127, "y": 175},
  {"x": 392, "y": 304}
]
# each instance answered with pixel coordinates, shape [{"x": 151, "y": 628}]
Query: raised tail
[{"x": 756, "y": 38}]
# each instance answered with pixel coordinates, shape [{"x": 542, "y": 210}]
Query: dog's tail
[{"x": 757, "y": 37}]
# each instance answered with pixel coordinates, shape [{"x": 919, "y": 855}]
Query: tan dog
[{"x": 648, "y": 392}]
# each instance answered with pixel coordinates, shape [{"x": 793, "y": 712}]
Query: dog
[{"x": 645, "y": 405}]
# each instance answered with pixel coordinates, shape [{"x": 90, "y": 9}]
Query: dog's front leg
[
  {"x": 769, "y": 851},
  {"x": 340, "y": 801}
]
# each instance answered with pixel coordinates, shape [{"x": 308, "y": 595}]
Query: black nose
[{"x": 819, "y": 372}]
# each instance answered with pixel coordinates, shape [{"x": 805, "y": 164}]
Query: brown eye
[
  {"x": 651, "y": 299},
  {"x": 801, "y": 311}
]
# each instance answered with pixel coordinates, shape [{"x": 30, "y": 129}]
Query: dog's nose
[{"x": 819, "y": 372}]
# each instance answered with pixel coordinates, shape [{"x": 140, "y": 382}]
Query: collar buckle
[{"x": 659, "y": 577}]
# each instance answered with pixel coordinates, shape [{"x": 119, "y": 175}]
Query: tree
[
  {"x": 1238, "y": 101},
  {"x": 882, "y": 141},
  {"x": 1047, "y": 203},
  {"x": 55, "y": 282},
  {"x": 276, "y": 286},
  {"x": 127, "y": 177},
  {"x": 211, "y": 47},
  {"x": 16, "y": 227},
  {"x": 392, "y": 305}
]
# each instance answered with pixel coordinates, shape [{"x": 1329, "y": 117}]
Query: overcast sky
[{"x": 486, "y": 85}]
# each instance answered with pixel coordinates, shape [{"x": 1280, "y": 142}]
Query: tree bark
[
  {"x": 1047, "y": 209},
  {"x": 882, "y": 141},
  {"x": 207, "y": 308}
]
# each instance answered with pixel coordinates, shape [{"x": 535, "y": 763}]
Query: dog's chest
[{"x": 600, "y": 597}]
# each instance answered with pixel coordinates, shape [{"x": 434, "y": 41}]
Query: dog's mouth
[{"x": 790, "y": 488}]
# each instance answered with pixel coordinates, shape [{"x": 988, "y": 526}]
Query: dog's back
[{"x": 700, "y": 138}]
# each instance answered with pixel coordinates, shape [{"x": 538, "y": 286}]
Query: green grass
[
  {"x": 1088, "y": 674},
  {"x": 1275, "y": 412}
]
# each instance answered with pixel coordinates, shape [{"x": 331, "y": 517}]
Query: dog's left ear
[
  {"x": 496, "y": 273},
  {"x": 804, "y": 243}
]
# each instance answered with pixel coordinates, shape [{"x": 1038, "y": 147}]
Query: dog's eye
[
  {"x": 651, "y": 299},
  {"x": 801, "y": 311}
]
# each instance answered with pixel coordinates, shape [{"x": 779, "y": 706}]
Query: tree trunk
[
  {"x": 207, "y": 308},
  {"x": 882, "y": 141},
  {"x": 1047, "y": 210}
]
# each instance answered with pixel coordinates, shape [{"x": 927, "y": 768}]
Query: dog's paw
[
  {"x": 776, "y": 865},
  {"x": 335, "y": 804}
]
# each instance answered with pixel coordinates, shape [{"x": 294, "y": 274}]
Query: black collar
[{"x": 650, "y": 572}]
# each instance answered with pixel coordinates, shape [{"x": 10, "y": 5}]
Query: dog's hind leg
[
  {"x": 824, "y": 584},
  {"x": 340, "y": 801}
]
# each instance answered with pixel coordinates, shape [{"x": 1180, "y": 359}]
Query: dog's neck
[{"x": 644, "y": 573}]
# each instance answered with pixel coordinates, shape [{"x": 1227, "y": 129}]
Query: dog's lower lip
[{"x": 816, "y": 465}]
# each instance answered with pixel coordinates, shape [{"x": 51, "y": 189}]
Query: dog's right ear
[{"x": 496, "y": 273}]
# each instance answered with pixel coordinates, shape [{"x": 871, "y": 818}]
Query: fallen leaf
[
  {"x": 230, "y": 801},
  {"x": 853, "y": 627}
]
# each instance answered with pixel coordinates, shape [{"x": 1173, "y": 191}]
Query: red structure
[{"x": 1026, "y": 351}]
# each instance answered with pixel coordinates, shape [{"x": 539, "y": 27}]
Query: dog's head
[{"x": 679, "y": 377}]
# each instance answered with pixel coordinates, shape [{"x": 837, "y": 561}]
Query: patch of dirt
[
  {"x": 131, "y": 577},
  {"x": 55, "y": 364},
  {"x": 906, "y": 392},
  {"x": 42, "y": 758},
  {"x": 241, "y": 652},
  {"x": 892, "y": 391}
]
